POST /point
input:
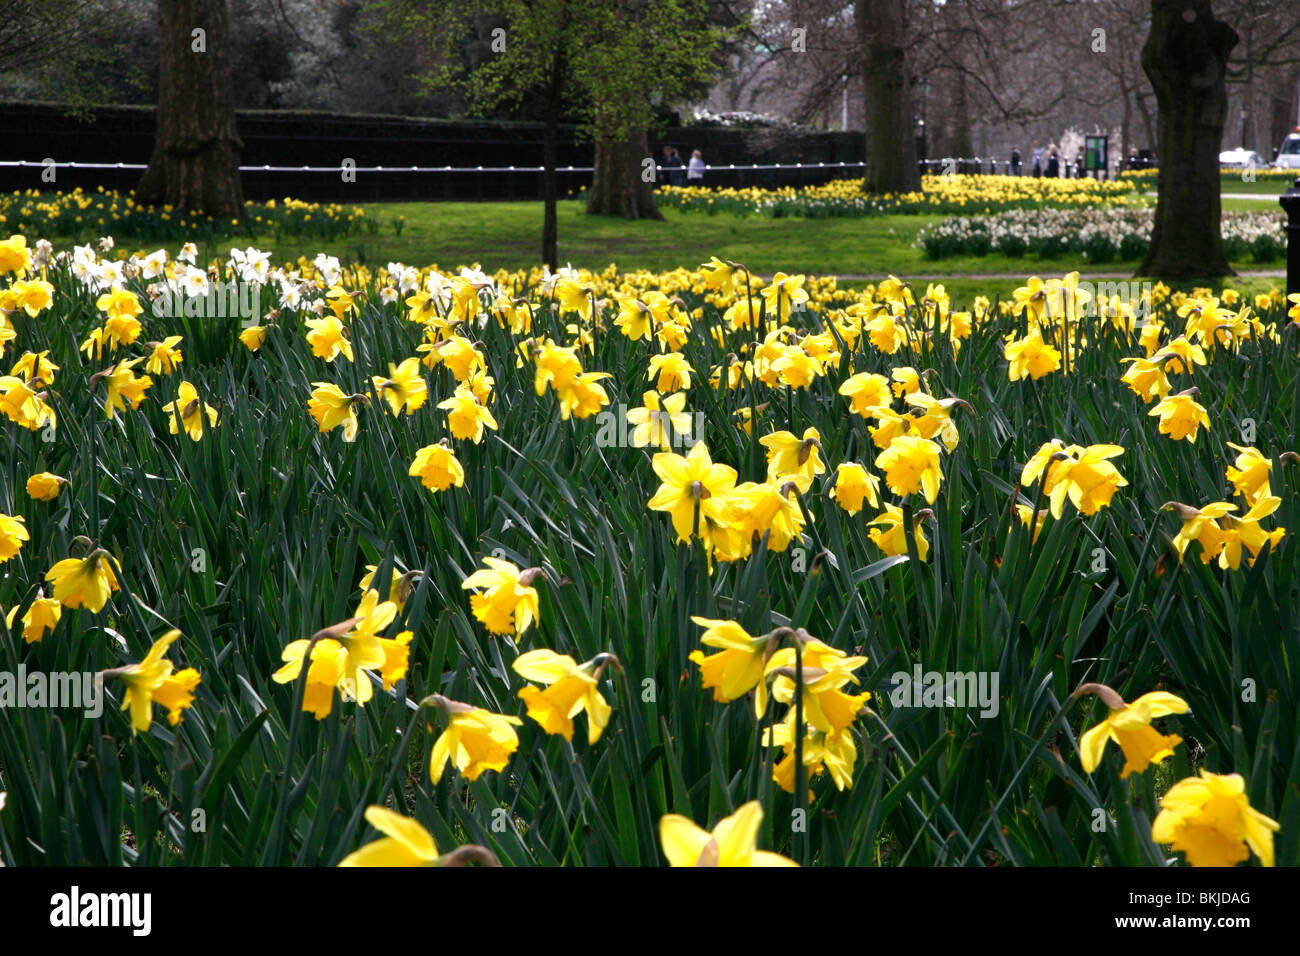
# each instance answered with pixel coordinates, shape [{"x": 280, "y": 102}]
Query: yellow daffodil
[
  {"x": 690, "y": 484},
  {"x": 465, "y": 416},
  {"x": 475, "y": 741},
  {"x": 328, "y": 338},
  {"x": 1209, "y": 819},
  {"x": 438, "y": 468},
  {"x": 44, "y": 486},
  {"x": 888, "y": 533},
  {"x": 854, "y": 485},
  {"x": 405, "y": 842},
  {"x": 40, "y": 618},
  {"x": 330, "y": 407},
  {"x": 733, "y": 842},
  {"x": 404, "y": 388},
  {"x": 865, "y": 391},
  {"x": 507, "y": 603},
  {"x": 1201, "y": 524},
  {"x": 583, "y": 396},
  {"x": 911, "y": 464},
  {"x": 1146, "y": 378},
  {"x": 13, "y": 532},
  {"x": 123, "y": 386},
  {"x": 793, "y": 459},
  {"x": 36, "y": 367},
  {"x": 673, "y": 372},
  {"x": 1129, "y": 725},
  {"x": 190, "y": 410},
  {"x": 253, "y": 337},
  {"x": 1180, "y": 415},
  {"x": 737, "y": 668},
  {"x": 1245, "y": 532},
  {"x": 832, "y": 752},
  {"x": 83, "y": 581},
  {"x": 1031, "y": 357},
  {"x": 1249, "y": 473},
  {"x": 153, "y": 681},
  {"x": 164, "y": 356},
  {"x": 14, "y": 255},
  {"x": 657, "y": 421},
  {"x": 570, "y": 689}
]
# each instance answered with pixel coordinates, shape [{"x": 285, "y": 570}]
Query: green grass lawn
[
  {"x": 497, "y": 235},
  {"x": 1262, "y": 204},
  {"x": 508, "y": 235},
  {"x": 1262, "y": 186}
]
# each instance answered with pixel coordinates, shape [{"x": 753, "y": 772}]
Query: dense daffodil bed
[
  {"x": 942, "y": 195},
  {"x": 633, "y": 568}
]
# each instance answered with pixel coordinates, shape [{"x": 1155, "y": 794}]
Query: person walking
[
  {"x": 1038, "y": 160},
  {"x": 673, "y": 163},
  {"x": 1015, "y": 160},
  {"x": 695, "y": 169},
  {"x": 1053, "y": 164}
]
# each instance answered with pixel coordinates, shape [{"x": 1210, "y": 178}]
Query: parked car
[
  {"x": 1242, "y": 159},
  {"x": 1288, "y": 154}
]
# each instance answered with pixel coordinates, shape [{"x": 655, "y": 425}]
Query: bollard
[{"x": 1290, "y": 202}]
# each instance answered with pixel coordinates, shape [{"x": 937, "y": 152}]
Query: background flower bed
[
  {"x": 939, "y": 194},
  {"x": 1145, "y": 179},
  {"x": 1098, "y": 235},
  {"x": 81, "y": 215}
]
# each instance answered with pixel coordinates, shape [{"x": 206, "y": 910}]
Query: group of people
[
  {"x": 1045, "y": 161},
  {"x": 677, "y": 173}
]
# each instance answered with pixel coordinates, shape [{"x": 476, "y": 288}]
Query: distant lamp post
[
  {"x": 1290, "y": 202},
  {"x": 923, "y": 84},
  {"x": 1244, "y": 114}
]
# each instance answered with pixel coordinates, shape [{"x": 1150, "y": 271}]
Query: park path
[{"x": 1272, "y": 197}]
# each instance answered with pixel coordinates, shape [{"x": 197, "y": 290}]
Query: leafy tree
[
  {"x": 68, "y": 50},
  {"x": 640, "y": 55},
  {"x": 611, "y": 63}
]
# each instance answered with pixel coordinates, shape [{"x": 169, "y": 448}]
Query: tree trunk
[
  {"x": 1281, "y": 117},
  {"x": 1126, "y": 125},
  {"x": 962, "y": 145},
  {"x": 1148, "y": 127},
  {"x": 617, "y": 186},
  {"x": 891, "y": 143},
  {"x": 1185, "y": 57},
  {"x": 550, "y": 153},
  {"x": 195, "y": 161}
]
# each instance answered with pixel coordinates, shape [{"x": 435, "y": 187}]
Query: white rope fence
[
  {"x": 425, "y": 169},
  {"x": 946, "y": 165}
]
